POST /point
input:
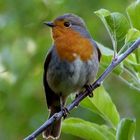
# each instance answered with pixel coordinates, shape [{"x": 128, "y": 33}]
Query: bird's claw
[
  {"x": 65, "y": 112},
  {"x": 89, "y": 89},
  {"x": 76, "y": 96},
  {"x": 90, "y": 95}
]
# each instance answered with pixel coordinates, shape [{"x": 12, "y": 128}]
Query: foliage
[
  {"x": 93, "y": 131},
  {"x": 126, "y": 129},
  {"x": 116, "y": 25},
  {"x": 24, "y": 42}
]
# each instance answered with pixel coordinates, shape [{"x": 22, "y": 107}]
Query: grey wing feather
[
  {"x": 98, "y": 50},
  {"x": 50, "y": 95}
]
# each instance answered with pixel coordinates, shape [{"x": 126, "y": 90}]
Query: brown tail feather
[{"x": 53, "y": 131}]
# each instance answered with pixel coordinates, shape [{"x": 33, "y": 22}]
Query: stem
[
  {"x": 131, "y": 74},
  {"x": 114, "y": 43},
  {"x": 132, "y": 86},
  {"x": 85, "y": 93}
]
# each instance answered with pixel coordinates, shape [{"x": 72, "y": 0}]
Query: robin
[{"x": 71, "y": 64}]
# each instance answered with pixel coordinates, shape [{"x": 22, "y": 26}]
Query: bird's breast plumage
[{"x": 71, "y": 45}]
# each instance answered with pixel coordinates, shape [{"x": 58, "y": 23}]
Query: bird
[{"x": 71, "y": 65}]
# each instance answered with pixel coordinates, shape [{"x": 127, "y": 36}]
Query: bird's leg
[
  {"x": 65, "y": 112},
  {"x": 63, "y": 108},
  {"x": 89, "y": 89},
  {"x": 76, "y": 96}
]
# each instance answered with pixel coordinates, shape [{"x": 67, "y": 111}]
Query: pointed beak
[{"x": 50, "y": 24}]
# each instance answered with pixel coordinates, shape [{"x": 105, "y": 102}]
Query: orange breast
[{"x": 72, "y": 45}]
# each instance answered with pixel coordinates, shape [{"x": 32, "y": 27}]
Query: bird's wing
[
  {"x": 99, "y": 53},
  {"x": 98, "y": 50},
  {"x": 51, "y": 97}
]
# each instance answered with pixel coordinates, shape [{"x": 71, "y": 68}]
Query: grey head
[{"x": 71, "y": 21}]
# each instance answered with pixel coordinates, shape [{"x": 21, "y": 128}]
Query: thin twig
[{"x": 85, "y": 93}]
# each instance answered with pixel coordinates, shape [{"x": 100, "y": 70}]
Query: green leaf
[
  {"x": 126, "y": 129},
  {"x": 87, "y": 130},
  {"x": 133, "y": 12},
  {"x": 116, "y": 25},
  {"x": 102, "y": 13},
  {"x": 132, "y": 35},
  {"x": 105, "y": 50},
  {"x": 102, "y": 104}
]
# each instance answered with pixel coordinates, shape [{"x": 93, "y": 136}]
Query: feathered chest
[{"x": 72, "y": 45}]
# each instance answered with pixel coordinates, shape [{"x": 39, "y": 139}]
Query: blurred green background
[{"x": 24, "y": 42}]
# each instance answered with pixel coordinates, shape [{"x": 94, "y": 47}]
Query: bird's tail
[{"x": 53, "y": 131}]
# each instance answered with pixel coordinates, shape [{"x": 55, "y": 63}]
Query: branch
[{"x": 85, "y": 93}]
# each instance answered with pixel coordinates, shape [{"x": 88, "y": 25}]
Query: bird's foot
[
  {"x": 89, "y": 89},
  {"x": 56, "y": 115},
  {"x": 65, "y": 112},
  {"x": 76, "y": 96}
]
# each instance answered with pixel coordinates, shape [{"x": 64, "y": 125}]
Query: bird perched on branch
[{"x": 71, "y": 64}]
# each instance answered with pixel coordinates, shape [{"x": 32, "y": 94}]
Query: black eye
[{"x": 67, "y": 24}]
